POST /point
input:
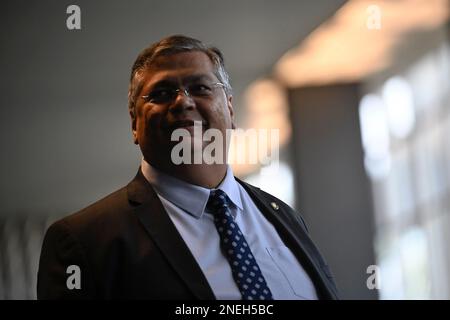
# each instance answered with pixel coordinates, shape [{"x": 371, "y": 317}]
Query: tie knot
[{"x": 217, "y": 200}]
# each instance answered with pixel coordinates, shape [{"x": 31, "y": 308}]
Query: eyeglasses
[{"x": 195, "y": 90}]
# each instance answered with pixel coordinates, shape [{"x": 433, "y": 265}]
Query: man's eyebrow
[
  {"x": 174, "y": 81},
  {"x": 171, "y": 82},
  {"x": 164, "y": 83}
]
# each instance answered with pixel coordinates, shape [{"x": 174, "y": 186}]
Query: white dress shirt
[{"x": 185, "y": 203}]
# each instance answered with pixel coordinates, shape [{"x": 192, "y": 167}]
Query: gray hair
[{"x": 168, "y": 46}]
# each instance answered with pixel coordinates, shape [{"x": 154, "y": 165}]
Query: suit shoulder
[{"x": 107, "y": 213}]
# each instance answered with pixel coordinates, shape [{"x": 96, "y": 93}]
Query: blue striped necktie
[{"x": 245, "y": 270}]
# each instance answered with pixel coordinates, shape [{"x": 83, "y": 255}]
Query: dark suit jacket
[{"x": 127, "y": 247}]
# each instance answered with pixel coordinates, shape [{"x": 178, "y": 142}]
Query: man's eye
[
  {"x": 159, "y": 95},
  {"x": 200, "y": 89}
]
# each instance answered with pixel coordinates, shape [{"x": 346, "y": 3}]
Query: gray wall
[{"x": 332, "y": 188}]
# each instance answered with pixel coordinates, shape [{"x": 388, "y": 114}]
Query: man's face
[{"x": 156, "y": 119}]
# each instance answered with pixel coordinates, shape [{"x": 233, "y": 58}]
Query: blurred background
[{"x": 359, "y": 91}]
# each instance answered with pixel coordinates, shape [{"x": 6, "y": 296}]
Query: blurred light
[
  {"x": 267, "y": 108},
  {"x": 414, "y": 255},
  {"x": 403, "y": 265},
  {"x": 345, "y": 49},
  {"x": 397, "y": 96},
  {"x": 378, "y": 169},
  {"x": 375, "y": 136},
  {"x": 391, "y": 284},
  {"x": 428, "y": 85},
  {"x": 265, "y": 180}
]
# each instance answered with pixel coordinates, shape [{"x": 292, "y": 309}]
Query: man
[{"x": 182, "y": 231}]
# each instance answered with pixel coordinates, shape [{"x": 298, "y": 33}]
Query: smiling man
[
  {"x": 182, "y": 231},
  {"x": 179, "y": 89}
]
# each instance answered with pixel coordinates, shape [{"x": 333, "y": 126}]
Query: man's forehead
[{"x": 179, "y": 65}]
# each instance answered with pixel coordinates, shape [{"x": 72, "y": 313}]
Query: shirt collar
[{"x": 189, "y": 197}]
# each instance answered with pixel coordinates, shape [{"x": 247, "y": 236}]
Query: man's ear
[
  {"x": 133, "y": 126},
  {"x": 231, "y": 110}
]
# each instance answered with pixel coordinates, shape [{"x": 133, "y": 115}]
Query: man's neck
[{"x": 205, "y": 175}]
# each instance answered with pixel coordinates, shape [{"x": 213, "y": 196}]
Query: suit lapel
[
  {"x": 163, "y": 232},
  {"x": 300, "y": 242}
]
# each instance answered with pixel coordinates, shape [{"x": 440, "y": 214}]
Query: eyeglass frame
[{"x": 185, "y": 91}]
